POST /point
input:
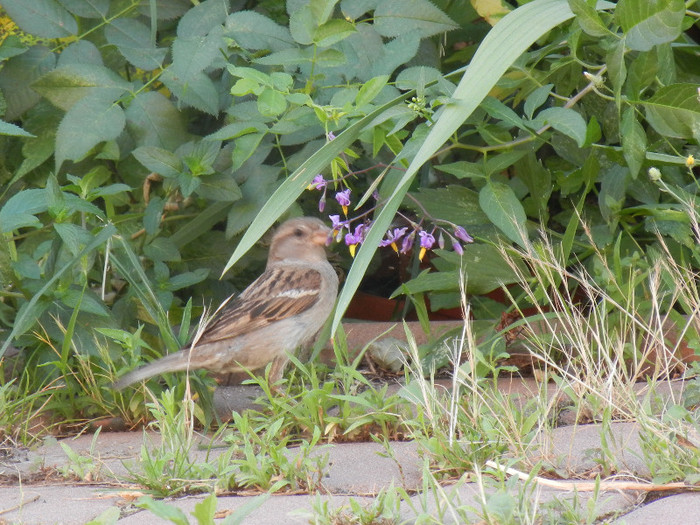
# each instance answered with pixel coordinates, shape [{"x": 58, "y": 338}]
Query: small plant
[
  {"x": 82, "y": 467},
  {"x": 264, "y": 461},
  {"x": 168, "y": 468},
  {"x": 383, "y": 510},
  {"x": 204, "y": 511}
]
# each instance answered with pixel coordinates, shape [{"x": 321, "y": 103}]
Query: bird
[{"x": 280, "y": 311}]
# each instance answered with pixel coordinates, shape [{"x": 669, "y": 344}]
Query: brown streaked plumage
[{"x": 280, "y": 311}]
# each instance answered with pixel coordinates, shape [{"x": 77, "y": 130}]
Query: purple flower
[
  {"x": 441, "y": 241},
  {"x": 318, "y": 183},
  {"x": 458, "y": 248},
  {"x": 355, "y": 238},
  {"x": 330, "y": 135},
  {"x": 426, "y": 243},
  {"x": 462, "y": 235},
  {"x": 336, "y": 223},
  {"x": 392, "y": 237},
  {"x": 407, "y": 243},
  {"x": 426, "y": 239},
  {"x": 343, "y": 197}
]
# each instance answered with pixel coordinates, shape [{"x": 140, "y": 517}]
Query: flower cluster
[{"x": 400, "y": 239}]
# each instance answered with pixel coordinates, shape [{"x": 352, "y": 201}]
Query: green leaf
[
  {"x": 634, "y": 141},
  {"x": 163, "y": 510},
  {"x": 536, "y": 99},
  {"x": 453, "y": 203},
  {"x": 588, "y": 18},
  {"x": 647, "y": 23},
  {"x": 11, "y": 47},
  {"x": 355, "y": 8},
  {"x": 20, "y": 210},
  {"x": 18, "y": 73},
  {"x": 201, "y": 20},
  {"x": 94, "y": 119},
  {"x": 502, "y": 161},
  {"x": 87, "y": 8},
  {"x": 109, "y": 517},
  {"x": 502, "y": 207},
  {"x": 252, "y": 74},
  {"x": 252, "y": 30},
  {"x": 237, "y": 129},
  {"x": 244, "y": 147},
  {"x": 397, "y": 17},
  {"x": 498, "y": 110},
  {"x": 197, "y": 90},
  {"x": 396, "y": 52},
  {"x": 158, "y": 160},
  {"x": 42, "y": 18},
  {"x": 66, "y": 85},
  {"x": 483, "y": 266},
  {"x": 286, "y": 57},
  {"x": 333, "y": 32},
  {"x": 205, "y": 510},
  {"x": 463, "y": 169},
  {"x": 221, "y": 187},
  {"x": 271, "y": 103},
  {"x": 152, "y": 120},
  {"x": 242, "y": 512},
  {"x": 674, "y": 111},
  {"x": 85, "y": 302},
  {"x": 302, "y": 26},
  {"x": 7, "y": 128},
  {"x": 73, "y": 236},
  {"x": 153, "y": 215},
  {"x": 162, "y": 249},
  {"x": 564, "y": 120},
  {"x": 193, "y": 55},
  {"x": 370, "y": 89},
  {"x": 133, "y": 40},
  {"x": 617, "y": 69}
]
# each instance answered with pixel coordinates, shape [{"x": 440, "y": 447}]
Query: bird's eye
[{"x": 299, "y": 232}]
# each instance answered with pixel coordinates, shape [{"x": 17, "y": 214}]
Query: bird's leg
[{"x": 276, "y": 372}]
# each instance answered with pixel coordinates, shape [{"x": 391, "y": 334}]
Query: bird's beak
[{"x": 322, "y": 237}]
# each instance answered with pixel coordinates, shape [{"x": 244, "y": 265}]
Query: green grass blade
[
  {"x": 134, "y": 274},
  {"x": 509, "y": 39}
]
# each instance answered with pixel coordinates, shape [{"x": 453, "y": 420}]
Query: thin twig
[{"x": 590, "y": 486}]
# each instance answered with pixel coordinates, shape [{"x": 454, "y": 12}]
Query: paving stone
[
  {"x": 58, "y": 505},
  {"x": 465, "y": 503},
  {"x": 679, "y": 509},
  {"x": 365, "y": 468},
  {"x": 278, "y": 509},
  {"x": 580, "y": 448}
]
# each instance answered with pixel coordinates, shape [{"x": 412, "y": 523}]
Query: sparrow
[{"x": 280, "y": 311}]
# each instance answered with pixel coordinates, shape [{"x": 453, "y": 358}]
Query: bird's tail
[{"x": 175, "y": 362}]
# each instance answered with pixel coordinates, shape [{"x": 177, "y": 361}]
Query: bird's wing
[{"x": 279, "y": 293}]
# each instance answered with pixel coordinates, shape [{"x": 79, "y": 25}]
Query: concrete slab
[
  {"x": 366, "y": 468},
  {"x": 60, "y": 504},
  {"x": 679, "y": 509},
  {"x": 467, "y": 503},
  {"x": 580, "y": 449}
]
